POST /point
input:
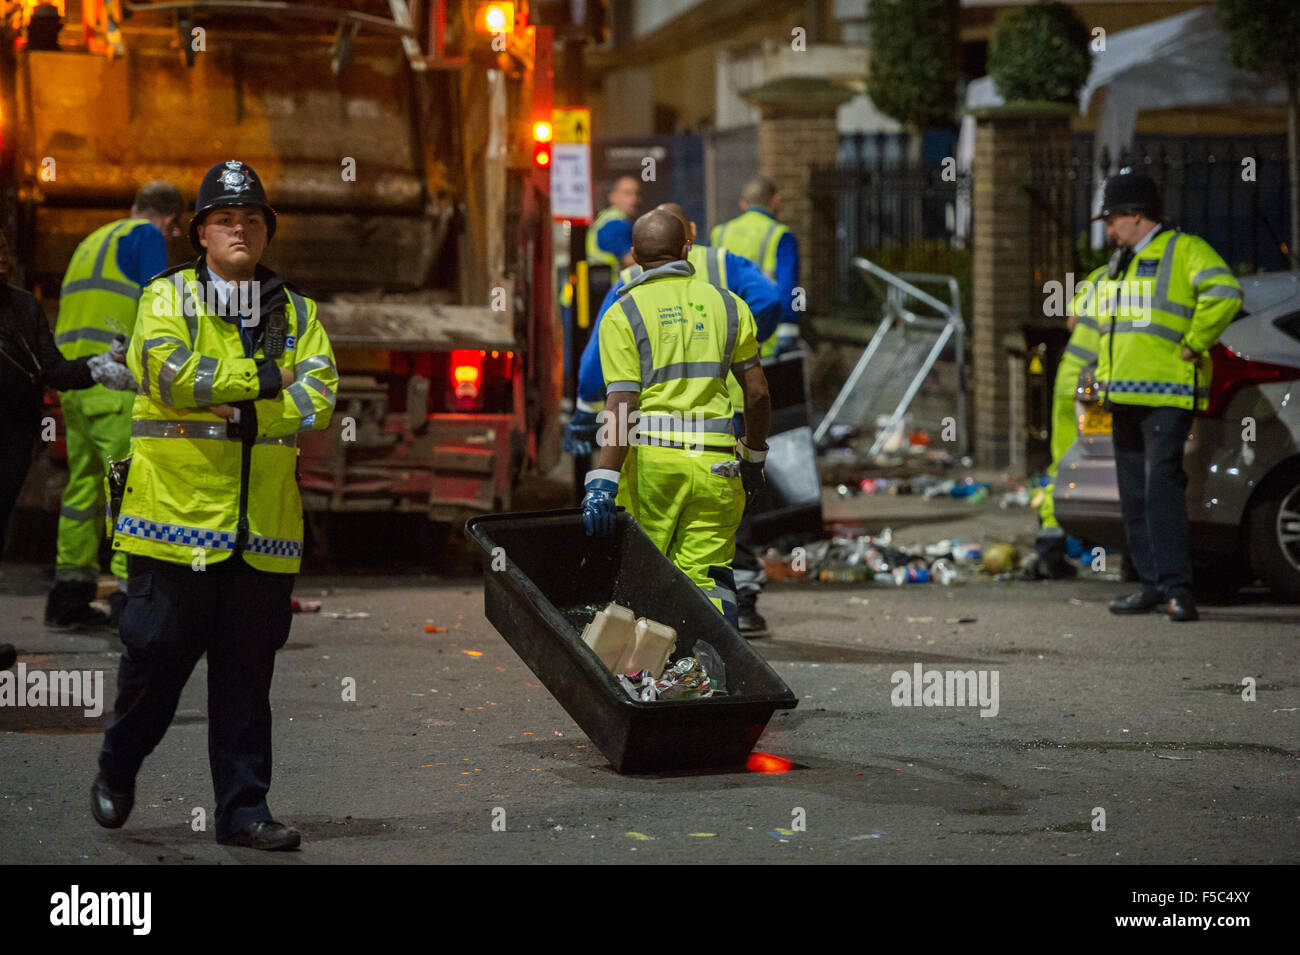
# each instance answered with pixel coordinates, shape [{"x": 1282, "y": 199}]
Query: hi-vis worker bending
[
  {"x": 1177, "y": 291},
  {"x": 97, "y": 302},
  {"x": 1080, "y": 352},
  {"x": 190, "y": 485},
  {"x": 673, "y": 339}
]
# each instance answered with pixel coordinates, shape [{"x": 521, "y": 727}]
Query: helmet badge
[{"x": 234, "y": 178}]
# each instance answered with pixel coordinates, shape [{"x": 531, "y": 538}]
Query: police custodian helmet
[
  {"x": 1128, "y": 191},
  {"x": 230, "y": 183}
]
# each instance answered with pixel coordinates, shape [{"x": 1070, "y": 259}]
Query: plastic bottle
[
  {"x": 612, "y": 636},
  {"x": 654, "y": 642}
]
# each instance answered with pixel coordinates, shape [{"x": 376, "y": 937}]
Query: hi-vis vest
[
  {"x": 1081, "y": 350},
  {"x": 595, "y": 254},
  {"x": 191, "y": 488},
  {"x": 673, "y": 339},
  {"x": 752, "y": 235},
  {"x": 1177, "y": 291},
  {"x": 96, "y": 303},
  {"x": 710, "y": 264}
]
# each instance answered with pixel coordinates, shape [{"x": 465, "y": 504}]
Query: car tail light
[
  {"x": 1231, "y": 372},
  {"x": 466, "y": 377}
]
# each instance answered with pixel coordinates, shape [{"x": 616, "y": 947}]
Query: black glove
[{"x": 752, "y": 476}]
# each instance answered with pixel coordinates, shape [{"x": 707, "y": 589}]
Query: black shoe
[
  {"x": 267, "y": 834},
  {"x": 1040, "y": 569},
  {"x": 1141, "y": 601},
  {"x": 84, "y": 618},
  {"x": 751, "y": 621},
  {"x": 110, "y": 807},
  {"x": 1182, "y": 608},
  {"x": 8, "y": 656}
]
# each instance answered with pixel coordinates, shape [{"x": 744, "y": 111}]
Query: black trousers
[
  {"x": 1152, "y": 493},
  {"x": 173, "y": 614},
  {"x": 15, "y": 457}
]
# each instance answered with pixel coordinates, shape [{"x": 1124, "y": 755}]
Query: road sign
[
  {"x": 571, "y": 196},
  {"x": 572, "y": 124},
  {"x": 571, "y": 183}
]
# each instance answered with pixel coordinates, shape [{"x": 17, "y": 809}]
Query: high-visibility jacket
[
  {"x": 1177, "y": 291},
  {"x": 710, "y": 264},
  {"x": 97, "y": 302},
  {"x": 673, "y": 338},
  {"x": 753, "y": 235},
  {"x": 1081, "y": 350},
  {"x": 191, "y": 484},
  {"x": 595, "y": 254}
]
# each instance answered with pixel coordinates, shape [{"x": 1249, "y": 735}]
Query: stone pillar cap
[{"x": 818, "y": 94}]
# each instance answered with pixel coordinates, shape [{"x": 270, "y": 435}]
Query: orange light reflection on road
[{"x": 767, "y": 763}]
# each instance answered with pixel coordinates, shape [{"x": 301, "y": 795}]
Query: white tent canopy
[{"x": 1181, "y": 60}]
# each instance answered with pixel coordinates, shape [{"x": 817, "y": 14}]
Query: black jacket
[{"x": 29, "y": 359}]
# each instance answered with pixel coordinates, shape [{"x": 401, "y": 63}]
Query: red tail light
[
  {"x": 1231, "y": 372},
  {"x": 466, "y": 376}
]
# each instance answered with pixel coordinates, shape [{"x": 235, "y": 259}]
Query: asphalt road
[{"x": 450, "y": 733}]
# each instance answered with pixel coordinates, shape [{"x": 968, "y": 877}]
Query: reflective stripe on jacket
[
  {"x": 1177, "y": 291},
  {"x": 752, "y": 235},
  {"x": 97, "y": 302},
  {"x": 674, "y": 339},
  {"x": 192, "y": 484}
]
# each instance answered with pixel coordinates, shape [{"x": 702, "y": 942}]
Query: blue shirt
[
  {"x": 743, "y": 277},
  {"x": 787, "y": 271},
  {"x": 142, "y": 254},
  {"x": 615, "y": 237}
]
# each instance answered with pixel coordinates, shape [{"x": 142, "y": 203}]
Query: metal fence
[
  {"x": 894, "y": 206},
  {"x": 1229, "y": 190}
]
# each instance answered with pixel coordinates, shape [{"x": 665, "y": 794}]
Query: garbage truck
[{"x": 399, "y": 143}]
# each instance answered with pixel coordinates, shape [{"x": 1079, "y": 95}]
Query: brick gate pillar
[
  {"x": 1010, "y": 257},
  {"x": 798, "y": 131}
]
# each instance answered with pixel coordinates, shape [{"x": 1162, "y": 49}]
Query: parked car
[{"x": 1242, "y": 457}]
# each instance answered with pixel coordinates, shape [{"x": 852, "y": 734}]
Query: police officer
[
  {"x": 97, "y": 303},
  {"x": 666, "y": 347},
  {"x": 1167, "y": 298},
  {"x": 232, "y": 365},
  {"x": 1049, "y": 562},
  {"x": 760, "y": 237},
  {"x": 724, "y": 269}
]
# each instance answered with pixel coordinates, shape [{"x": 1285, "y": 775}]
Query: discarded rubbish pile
[
  {"x": 929, "y": 486},
  {"x": 637, "y": 650},
  {"x": 880, "y": 559}
]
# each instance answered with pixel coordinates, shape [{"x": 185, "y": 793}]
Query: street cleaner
[
  {"x": 666, "y": 346},
  {"x": 726, "y": 270}
]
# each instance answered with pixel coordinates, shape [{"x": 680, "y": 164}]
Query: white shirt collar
[{"x": 1146, "y": 240}]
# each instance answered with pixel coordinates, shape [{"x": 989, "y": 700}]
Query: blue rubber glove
[
  {"x": 598, "y": 503},
  {"x": 580, "y": 433},
  {"x": 752, "y": 476}
]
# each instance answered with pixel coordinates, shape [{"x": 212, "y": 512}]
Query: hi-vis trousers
[
  {"x": 689, "y": 512},
  {"x": 93, "y": 439}
]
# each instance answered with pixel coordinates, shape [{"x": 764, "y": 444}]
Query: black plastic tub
[{"x": 553, "y": 579}]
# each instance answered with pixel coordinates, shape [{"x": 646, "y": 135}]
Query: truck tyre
[{"x": 1273, "y": 533}]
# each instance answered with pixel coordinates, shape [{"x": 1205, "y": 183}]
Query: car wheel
[{"x": 1274, "y": 534}]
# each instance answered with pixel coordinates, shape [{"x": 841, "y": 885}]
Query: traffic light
[
  {"x": 542, "y": 136},
  {"x": 494, "y": 18}
]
